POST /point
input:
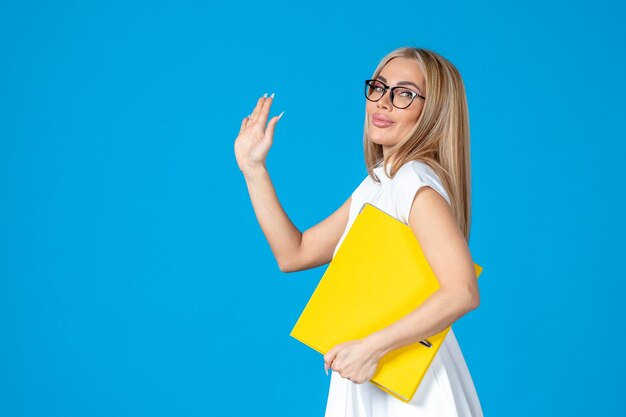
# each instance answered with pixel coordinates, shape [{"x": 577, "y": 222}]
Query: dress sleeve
[
  {"x": 356, "y": 194},
  {"x": 408, "y": 180}
]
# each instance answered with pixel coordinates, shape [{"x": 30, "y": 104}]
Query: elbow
[
  {"x": 466, "y": 301},
  {"x": 471, "y": 297},
  {"x": 475, "y": 303},
  {"x": 285, "y": 266},
  {"x": 473, "y": 300}
]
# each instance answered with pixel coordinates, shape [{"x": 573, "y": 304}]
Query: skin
[
  {"x": 395, "y": 71},
  {"x": 431, "y": 219}
]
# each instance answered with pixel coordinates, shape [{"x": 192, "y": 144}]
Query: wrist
[
  {"x": 378, "y": 344},
  {"x": 254, "y": 171}
]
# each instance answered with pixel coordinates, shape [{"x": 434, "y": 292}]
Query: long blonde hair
[{"x": 440, "y": 138}]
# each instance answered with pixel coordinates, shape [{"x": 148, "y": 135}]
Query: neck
[{"x": 386, "y": 157}]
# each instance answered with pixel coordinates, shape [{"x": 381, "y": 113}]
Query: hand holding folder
[{"x": 378, "y": 275}]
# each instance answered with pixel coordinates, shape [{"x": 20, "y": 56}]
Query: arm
[
  {"x": 293, "y": 250},
  {"x": 433, "y": 223}
]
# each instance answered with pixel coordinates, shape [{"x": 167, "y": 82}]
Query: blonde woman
[{"x": 416, "y": 145}]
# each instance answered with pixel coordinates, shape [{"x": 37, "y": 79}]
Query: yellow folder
[{"x": 378, "y": 275}]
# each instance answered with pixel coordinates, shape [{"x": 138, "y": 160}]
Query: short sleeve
[
  {"x": 358, "y": 189},
  {"x": 408, "y": 180},
  {"x": 360, "y": 194}
]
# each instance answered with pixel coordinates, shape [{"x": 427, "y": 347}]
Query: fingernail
[
  {"x": 272, "y": 96},
  {"x": 265, "y": 95},
  {"x": 281, "y": 115},
  {"x": 327, "y": 372}
]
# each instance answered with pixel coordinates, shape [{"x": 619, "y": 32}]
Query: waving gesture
[{"x": 255, "y": 138}]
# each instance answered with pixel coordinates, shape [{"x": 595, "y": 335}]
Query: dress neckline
[{"x": 380, "y": 172}]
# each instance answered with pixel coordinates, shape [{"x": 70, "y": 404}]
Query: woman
[{"x": 416, "y": 143}]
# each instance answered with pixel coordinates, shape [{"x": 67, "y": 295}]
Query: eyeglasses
[{"x": 401, "y": 97}]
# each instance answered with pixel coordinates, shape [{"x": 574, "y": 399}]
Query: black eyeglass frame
[{"x": 391, "y": 92}]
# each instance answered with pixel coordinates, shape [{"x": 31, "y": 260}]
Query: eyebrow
[{"x": 383, "y": 79}]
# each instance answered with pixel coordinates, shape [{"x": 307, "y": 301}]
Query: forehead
[{"x": 403, "y": 69}]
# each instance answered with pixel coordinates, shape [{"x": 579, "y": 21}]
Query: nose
[{"x": 385, "y": 101}]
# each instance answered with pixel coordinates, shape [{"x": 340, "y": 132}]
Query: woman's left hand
[{"x": 355, "y": 360}]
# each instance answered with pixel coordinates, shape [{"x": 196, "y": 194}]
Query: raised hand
[{"x": 256, "y": 136}]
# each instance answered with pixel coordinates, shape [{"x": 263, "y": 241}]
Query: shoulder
[
  {"x": 409, "y": 179},
  {"x": 417, "y": 174},
  {"x": 364, "y": 187},
  {"x": 417, "y": 169},
  {"x": 365, "y": 181}
]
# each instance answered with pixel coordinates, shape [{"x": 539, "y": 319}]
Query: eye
[
  {"x": 377, "y": 85},
  {"x": 405, "y": 93}
]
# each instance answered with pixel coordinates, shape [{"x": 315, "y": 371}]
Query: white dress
[{"x": 447, "y": 389}]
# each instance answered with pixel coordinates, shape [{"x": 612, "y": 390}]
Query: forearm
[
  {"x": 282, "y": 235},
  {"x": 439, "y": 311}
]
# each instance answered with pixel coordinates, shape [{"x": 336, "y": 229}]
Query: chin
[{"x": 380, "y": 139}]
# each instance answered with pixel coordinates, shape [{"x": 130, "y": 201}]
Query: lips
[{"x": 379, "y": 120}]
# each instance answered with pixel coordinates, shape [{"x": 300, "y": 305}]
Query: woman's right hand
[{"x": 255, "y": 139}]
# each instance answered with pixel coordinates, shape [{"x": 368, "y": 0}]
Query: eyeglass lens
[{"x": 402, "y": 97}]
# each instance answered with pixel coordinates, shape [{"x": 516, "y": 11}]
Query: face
[{"x": 395, "y": 123}]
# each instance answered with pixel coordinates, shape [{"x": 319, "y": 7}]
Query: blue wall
[{"x": 134, "y": 277}]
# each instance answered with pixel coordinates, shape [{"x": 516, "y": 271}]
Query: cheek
[
  {"x": 412, "y": 116},
  {"x": 407, "y": 123},
  {"x": 411, "y": 119},
  {"x": 418, "y": 113}
]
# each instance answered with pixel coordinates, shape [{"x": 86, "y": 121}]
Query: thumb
[
  {"x": 269, "y": 132},
  {"x": 329, "y": 357}
]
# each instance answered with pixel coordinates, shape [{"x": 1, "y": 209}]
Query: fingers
[
  {"x": 265, "y": 110},
  {"x": 327, "y": 366},
  {"x": 329, "y": 357},
  {"x": 269, "y": 132},
  {"x": 260, "y": 113},
  {"x": 262, "y": 107},
  {"x": 258, "y": 106},
  {"x": 244, "y": 122}
]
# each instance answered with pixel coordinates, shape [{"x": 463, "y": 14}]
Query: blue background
[{"x": 134, "y": 277}]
